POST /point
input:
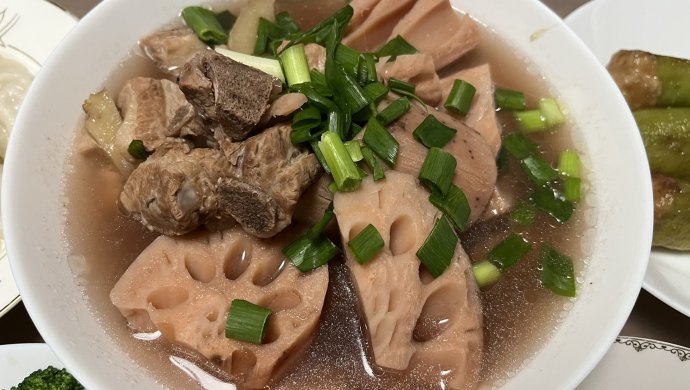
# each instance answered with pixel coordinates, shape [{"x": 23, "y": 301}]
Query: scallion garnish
[
  {"x": 295, "y": 65},
  {"x": 432, "y": 133},
  {"x": 366, "y": 69},
  {"x": 376, "y": 91},
  {"x": 557, "y": 272},
  {"x": 454, "y": 206},
  {"x": 485, "y": 273},
  {"x": 460, "y": 97},
  {"x": 530, "y": 121},
  {"x": 553, "y": 116},
  {"x": 308, "y": 255},
  {"x": 306, "y": 124},
  {"x": 344, "y": 171},
  {"x": 332, "y": 187},
  {"x": 396, "y": 47},
  {"x": 354, "y": 149},
  {"x": 285, "y": 22},
  {"x": 246, "y": 321},
  {"x": 538, "y": 170},
  {"x": 381, "y": 142},
  {"x": 321, "y": 102},
  {"x": 524, "y": 213},
  {"x": 508, "y": 99},
  {"x": 438, "y": 249},
  {"x": 393, "y": 111},
  {"x": 319, "y": 156},
  {"x": 318, "y": 82},
  {"x": 571, "y": 188},
  {"x": 400, "y": 85},
  {"x": 335, "y": 122},
  {"x": 320, "y": 32},
  {"x": 519, "y": 146},
  {"x": 569, "y": 166},
  {"x": 438, "y": 170},
  {"x": 508, "y": 252},
  {"x": 315, "y": 231},
  {"x": 348, "y": 58},
  {"x": 365, "y": 245},
  {"x": 226, "y": 19},
  {"x": 373, "y": 163},
  {"x": 553, "y": 203},
  {"x": 137, "y": 150},
  {"x": 266, "y": 32},
  {"x": 205, "y": 25}
]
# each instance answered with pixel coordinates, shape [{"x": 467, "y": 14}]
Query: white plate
[
  {"x": 659, "y": 26},
  {"x": 17, "y": 361},
  {"x": 29, "y": 30},
  {"x": 636, "y": 363}
]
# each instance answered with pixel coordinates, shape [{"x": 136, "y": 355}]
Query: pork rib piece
[
  {"x": 412, "y": 318},
  {"x": 171, "y": 49},
  {"x": 183, "y": 287}
]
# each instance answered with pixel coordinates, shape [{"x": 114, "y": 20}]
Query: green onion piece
[
  {"x": 538, "y": 170},
  {"x": 553, "y": 116},
  {"x": 454, "y": 206},
  {"x": 264, "y": 33},
  {"x": 438, "y": 249},
  {"x": 411, "y": 96},
  {"x": 319, "y": 33},
  {"x": 364, "y": 114},
  {"x": 376, "y": 91},
  {"x": 519, "y": 146},
  {"x": 137, "y": 150},
  {"x": 321, "y": 102},
  {"x": 246, "y": 321},
  {"x": 396, "y": 47},
  {"x": 308, "y": 255},
  {"x": 335, "y": 122},
  {"x": 266, "y": 65},
  {"x": 571, "y": 188},
  {"x": 226, "y": 19},
  {"x": 355, "y": 129},
  {"x": 401, "y": 85},
  {"x": 553, "y": 203},
  {"x": 557, "y": 272},
  {"x": 319, "y": 156},
  {"x": 381, "y": 142},
  {"x": 524, "y": 213},
  {"x": 502, "y": 163},
  {"x": 305, "y": 134},
  {"x": 530, "y": 121},
  {"x": 394, "y": 111},
  {"x": 295, "y": 65},
  {"x": 306, "y": 124},
  {"x": 485, "y": 273},
  {"x": 344, "y": 171},
  {"x": 508, "y": 252},
  {"x": 432, "y": 133},
  {"x": 373, "y": 163},
  {"x": 355, "y": 150},
  {"x": 332, "y": 187},
  {"x": 285, "y": 21},
  {"x": 460, "y": 98},
  {"x": 205, "y": 25},
  {"x": 318, "y": 82},
  {"x": 348, "y": 58},
  {"x": 365, "y": 245},
  {"x": 438, "y": 170},
  {"x": 569, "y": 163},
  {"x": 343, "y": 84},
  {"x": 508, "y": 99},
  {"x": 366, "y": 70},
  {"x": 315, "y": 231}
]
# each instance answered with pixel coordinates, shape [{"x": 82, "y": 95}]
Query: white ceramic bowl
[{"x": 606, "y": 133}]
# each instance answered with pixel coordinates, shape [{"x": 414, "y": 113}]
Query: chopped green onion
[
  {"x": 569, "y": 163},
  {"x": 373, "y": 163},
  {"x": 538, "y": 170},
  {"x": 438, "y": 249},
  {"x": 553, "y": 116},
  {"x": 354, "y": 149},
  {"x": 318, "y": 82},
  {"x": 454, "y": 206},
  {"x": 266, "y": 32},
  {"x": 226, "y": 19},
  {"x": 413, "y": 97},
  {"x": 319, "y": 156},
  {"x": 400, "y": 85},
  {"x": 355, "y": 129},
  {"x": 321, "y": 102},
  {"x": 205, "y": 25},
  {"x": 508, "y": 252},
  {"x": 376, "y": 91},
  {"x": 306, "y": 125},
  {"x": 571, "y": 188},
  {"x": 381, "y": 142},
  {"x": 502, "y": 163},
  {"x": 364, "y": 114},
  {"x": 438, "y": 170},
  {"x": 332, "y": 187},
  {"x": 433, "y": 133},
  {"x": 485, "y": 273},
  {"x": 519, "y": 146},
  {"x": 557, "y": 272},
  {"x": 137, "y": 150},
  {"x": 530, "y": 121},
  {"x": 335, "y": 122},
  {"x": 524, "y": 213},
  {"x": 295, "y": 65},
  {"x": 308, "y": 255},
  {"x": 348, "y": 58},
  {"x": 553, "y": 203},
  {"x": 266, "y": 65},
  {"x": 508, "y": 99},
  {"x": 305, "y": 134},
  {"x": 344, "y": 171},
  {"x": 394, "y": 111},
  {"x": 320, "y": 32},
  {"x": 315, "y": 231},
  {"x": 246, "y": 321},
  {"x": 343, "y": 84},
  {"x": 396, "y": 47},
  {"x": 366, "y": 244},
  {"x": 285, "y": 21},
  {"x": 460, "y": 98},
  {"x": 366, "y": 70}
]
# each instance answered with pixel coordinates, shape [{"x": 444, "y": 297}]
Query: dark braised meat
[
  {"x": 171, "y": 49},
  {"x": 228, "y": 94}
]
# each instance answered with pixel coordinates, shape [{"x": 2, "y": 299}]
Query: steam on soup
[{"x": 342, "y": 202}]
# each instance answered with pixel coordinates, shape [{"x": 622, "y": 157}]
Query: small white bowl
[{"x": 33, "y": 213}]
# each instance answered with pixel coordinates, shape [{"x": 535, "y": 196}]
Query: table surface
[{"x": 650, "y": 317}]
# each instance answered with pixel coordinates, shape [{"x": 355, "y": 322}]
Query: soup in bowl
[{"x": 346, "y": 201}]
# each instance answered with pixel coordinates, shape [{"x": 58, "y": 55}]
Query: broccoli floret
[{"x": 50, "y": 378}]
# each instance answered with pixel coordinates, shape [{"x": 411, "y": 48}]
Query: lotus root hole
[
  {"x": 237, "y": 260},
  {"x": 424, "y": 275},
  {"x": 167, "y": 330},
  {"x": 241, "y": 363},
  {"x": 168, "y": 297},
  {"x": 282, "y": 300},
  {"x": 436, "y": 316},
  {"x": 356, "y": 229},
  {"x": 200, "y": 268},
  {"x": 403, "y": 235},
  {"x": 268, "y": 271},
  {"x": 272, "y": 331}
]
